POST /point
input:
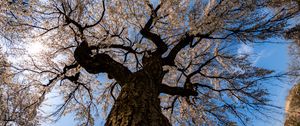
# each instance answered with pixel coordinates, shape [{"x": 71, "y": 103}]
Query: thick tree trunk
[{"x": 138, "y": 104}]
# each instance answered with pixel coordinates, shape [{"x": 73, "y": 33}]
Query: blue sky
[{"x": 274, "y": 57}]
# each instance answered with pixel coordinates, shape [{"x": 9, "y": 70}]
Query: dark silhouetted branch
[{"x": 177, "y": 91}]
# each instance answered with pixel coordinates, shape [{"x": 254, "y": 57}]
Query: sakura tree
[{"x": 166, "y": 61}]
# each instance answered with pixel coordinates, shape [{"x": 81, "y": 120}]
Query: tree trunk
[{"x": 138, "y": 104}]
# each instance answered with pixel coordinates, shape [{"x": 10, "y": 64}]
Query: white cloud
[
  {"x": 248, "y": 50},
  {"x": 245, "y": 50}
]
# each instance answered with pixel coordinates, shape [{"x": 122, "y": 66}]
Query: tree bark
[{"x": 138, "y": 104}]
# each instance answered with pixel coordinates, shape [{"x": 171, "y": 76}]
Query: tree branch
[
  {"x": 100, "y": 63},
  {"x": 169, "y": 60},
  {"x": 102, "y": 15},
  {"x": 68, "y": 18},
  {"x": 146, "y": 31},
  {"x": 187, "y": 39},
  {"x": 201, "y": 66},
  {"x": 126, "y": 48},
  {"x": 177, "y": 91}
]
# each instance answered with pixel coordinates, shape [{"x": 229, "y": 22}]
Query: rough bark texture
[{"x": 138, "y": 104}]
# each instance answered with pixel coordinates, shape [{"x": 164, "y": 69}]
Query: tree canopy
[
  {"x": 176, "y": 57},
  {"x": 294, "y": 51}
]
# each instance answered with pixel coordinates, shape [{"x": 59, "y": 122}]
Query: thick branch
[
  {"x": 126, "y": 48},
  {"x": 146, "y": 32},
  {"x": 177, "y": 91},
  {"x": 169, "y": 60},
  {"x": 100, "y": 63},
  {"x": 184, "y": 41}
]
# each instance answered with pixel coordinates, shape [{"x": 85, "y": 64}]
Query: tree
[
  {"x": 171, "y": 62},
  {"x": 292, "y": 103},
  {"x": 15, "y": 108},
  {"x": 294, "y": 51}
]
